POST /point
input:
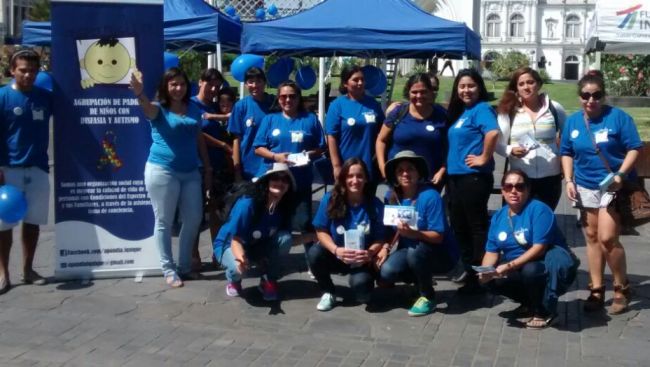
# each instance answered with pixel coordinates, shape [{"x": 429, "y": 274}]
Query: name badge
[
  {"x": 459, "y": 124},
  {"x": 38, "y": 114},
  {"x": 297, "y": 136},
  {"x": 601, "y": 136},
  {"x": 370, "y": 117}
]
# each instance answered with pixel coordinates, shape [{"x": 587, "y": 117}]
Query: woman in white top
[{"x": 530, "y": 124}]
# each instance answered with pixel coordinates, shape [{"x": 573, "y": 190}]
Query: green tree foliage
[
  {"x": 626, "y": 75},
  {"x": 40, "y": 11},
  {"x": 505, "y": 64},
  {"x": 192, "y": 63}
]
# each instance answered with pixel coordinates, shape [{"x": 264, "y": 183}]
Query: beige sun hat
[
  {"x": 277, "y": 168},
  {"x": 408, "y": 155}
]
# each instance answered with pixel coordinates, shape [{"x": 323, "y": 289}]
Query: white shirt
[{"x": 543, "y": 161}]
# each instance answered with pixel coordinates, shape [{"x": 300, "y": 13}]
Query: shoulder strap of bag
[
  {"x": 593, "y": 142},
  {"x": 553, "y": 110}
]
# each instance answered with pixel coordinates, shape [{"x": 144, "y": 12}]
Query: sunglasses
[
  {"x": 597, "y": 96},
  {"x": 520, "y": 187},
  {"x": 284, "y": 97}
]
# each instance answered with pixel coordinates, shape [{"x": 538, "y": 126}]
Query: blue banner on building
[{"x": 104, "y": 219}]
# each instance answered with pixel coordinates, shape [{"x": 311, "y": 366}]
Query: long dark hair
[
  {"x": 163, "y": 92},
  {"x": 338, "y": 205},
  {"x": 259, "y": 192},
  {"x": 456, "y": 105},
  {"x": 509, "y": 101},
  {"x": 346, "y": 74},
  {"x": 291, "y": 84}
]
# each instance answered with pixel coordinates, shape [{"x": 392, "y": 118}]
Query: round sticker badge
[
  {"x": 257, "y": 235},
  {"x": 340, "y": 229},
  {"x": 18, "y": 111},
  {"x": 575, "y": 133},
  {"x": 503, "y": 236},
  {"x": 249, "y": 122},
  {"x": 351, "y": 121},
  {"x": 430, "y": 128},
  {"x": 275, "y": 132}
]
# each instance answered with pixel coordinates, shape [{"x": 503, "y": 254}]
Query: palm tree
[{"x": 430, "y": 6}]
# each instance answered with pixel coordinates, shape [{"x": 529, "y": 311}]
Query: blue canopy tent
[
  {"x": 363, "y": 28},
  {"x": 187, "y": 23}
]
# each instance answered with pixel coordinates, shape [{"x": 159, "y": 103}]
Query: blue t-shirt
[
  {"x": 431, "y": 217},
  {"x": 355, "y": 125},
  {"x": 615, "y": 134},
  {"x": 25, "y": 127},
  {"x": 357, "y": 217},
  {"x": 427, "y": 138},
  {"x": 535, "y": 224},
  {"x": 241, "y": 224},
  {"x": 282, "y": 135},
  {"x": 215, "y": 130},
  {"x": 466, "y": 137},
  {"x": 174, "y": 139},
  {"x": 245, "y": 120}
]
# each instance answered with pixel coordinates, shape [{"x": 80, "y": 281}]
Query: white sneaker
[{"x": 327, "y": 302}]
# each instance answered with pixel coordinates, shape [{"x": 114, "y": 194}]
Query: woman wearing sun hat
[
  {"x": 426, "y": 246},
  {"x": 258, "y": 226}
]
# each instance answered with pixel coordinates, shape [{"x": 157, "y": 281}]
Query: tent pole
[
  {"x": 465, "y": 61},
  {"x": 218, "y": 53},
  {"x": 597, "y": 62},
  {"x": 321, "y": 90}
]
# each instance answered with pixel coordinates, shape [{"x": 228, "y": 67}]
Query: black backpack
[{"x": 235, "y": 191}]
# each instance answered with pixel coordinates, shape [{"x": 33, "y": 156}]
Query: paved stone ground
[{"x": 120, "y": 322}]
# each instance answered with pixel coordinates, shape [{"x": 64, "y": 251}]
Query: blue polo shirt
[
  {"x": 215, "y": 130},
  {"x": 466, "y": 136},
  {"x": 427, "y": 138},
  {"x": 25, "y": 127},
  {"x": 357, "y": 217},
  {"x": 615, "y": 134},
  {"x": 174, "y": 139},
  {"x": 431, "y": 217},
  {"x": 285, "y": 135},
  {"x": 245, "y": 120},
  {"x": 535, "y": 224},
  {"x": 355, "y": 125},
  {"x": 241, "y": 224}
]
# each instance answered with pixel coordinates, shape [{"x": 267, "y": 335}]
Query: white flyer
[
  {"x": 528, "y": 142},
  {"x": 400, "y": 213},
  {"x": 299, "y": 159},
  {"x": 354, "y": 239}
]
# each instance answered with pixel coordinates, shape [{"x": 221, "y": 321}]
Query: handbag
[{"x": 632, "y": 201}]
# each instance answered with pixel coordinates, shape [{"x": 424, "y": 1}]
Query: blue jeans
[
  {"x": 264, "y": 253},
  {"x": 323, "y": 264},
  {"x": 417, "y": 265},
  {"x": 168, "y": 190},
  {"x": 526, "y": 285}
]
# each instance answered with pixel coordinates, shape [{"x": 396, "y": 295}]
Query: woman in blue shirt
[
  {"x": 352, "y": 123},
  {"x": 244, "y": 122},
  {"x": 526, "y": 257},
  {"x": 256, "y": 230},
  {"x": 420, "y": 126},
  {"x": 472, "y": 138},
  {"x": 171, "y": 174},
  {"x": 612, "y": 132},
  {"x": 426, "y": 248},
  {"x": 350, "y": 233},
  {"x": 291, "y": 131}
]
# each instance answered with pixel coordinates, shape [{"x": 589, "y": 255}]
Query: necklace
[{"x": 272, "y": 207}]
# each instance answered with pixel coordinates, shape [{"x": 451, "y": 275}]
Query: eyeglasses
[
  {"x": 597, "y": 96},
  {"x": 284, "y": 97},
  {"x": 520, "y": 187}
]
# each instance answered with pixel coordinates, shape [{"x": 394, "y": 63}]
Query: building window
[
  {"x": 572, "y": 27},
  {"x": 517, "y": 25},
  {"x": 493, "y": 25}
]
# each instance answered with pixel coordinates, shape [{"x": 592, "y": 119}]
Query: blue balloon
[
  {"x": 380, "y": 86},
  {"x": 13, "y": 204},
  {"x": 273, "y": 10},
  {"x": 305, "y": 77},
  {"x": 43, "y": 80},
  {"x": 244, "y": 62},
  {"x": 230, "y": 10},
  {"x": 260, "y": 14},
  {"x": 371, "y": 75},
  {"x": 171, "y": 60},
  {"x": 278, "y": 73}
]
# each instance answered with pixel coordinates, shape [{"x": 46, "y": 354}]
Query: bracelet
[{"x": 620, "y": 174}]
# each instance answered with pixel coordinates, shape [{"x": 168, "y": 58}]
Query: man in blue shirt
[{"x": 25, "y": 111}]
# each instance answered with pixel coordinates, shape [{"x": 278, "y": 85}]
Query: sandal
[
  {"x": 173, "y": 280},
  {"x": 621, "y": 301},
  {"x": 539, "y": 323},
  {"x": 596, "y": 299}
]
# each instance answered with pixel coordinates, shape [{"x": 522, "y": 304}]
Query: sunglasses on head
[
  {"x": 598, "y": 95},
  {"x": 520, "y": 187}
]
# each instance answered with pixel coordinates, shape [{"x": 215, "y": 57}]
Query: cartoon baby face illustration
[{"x": 106, "y": 61}]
